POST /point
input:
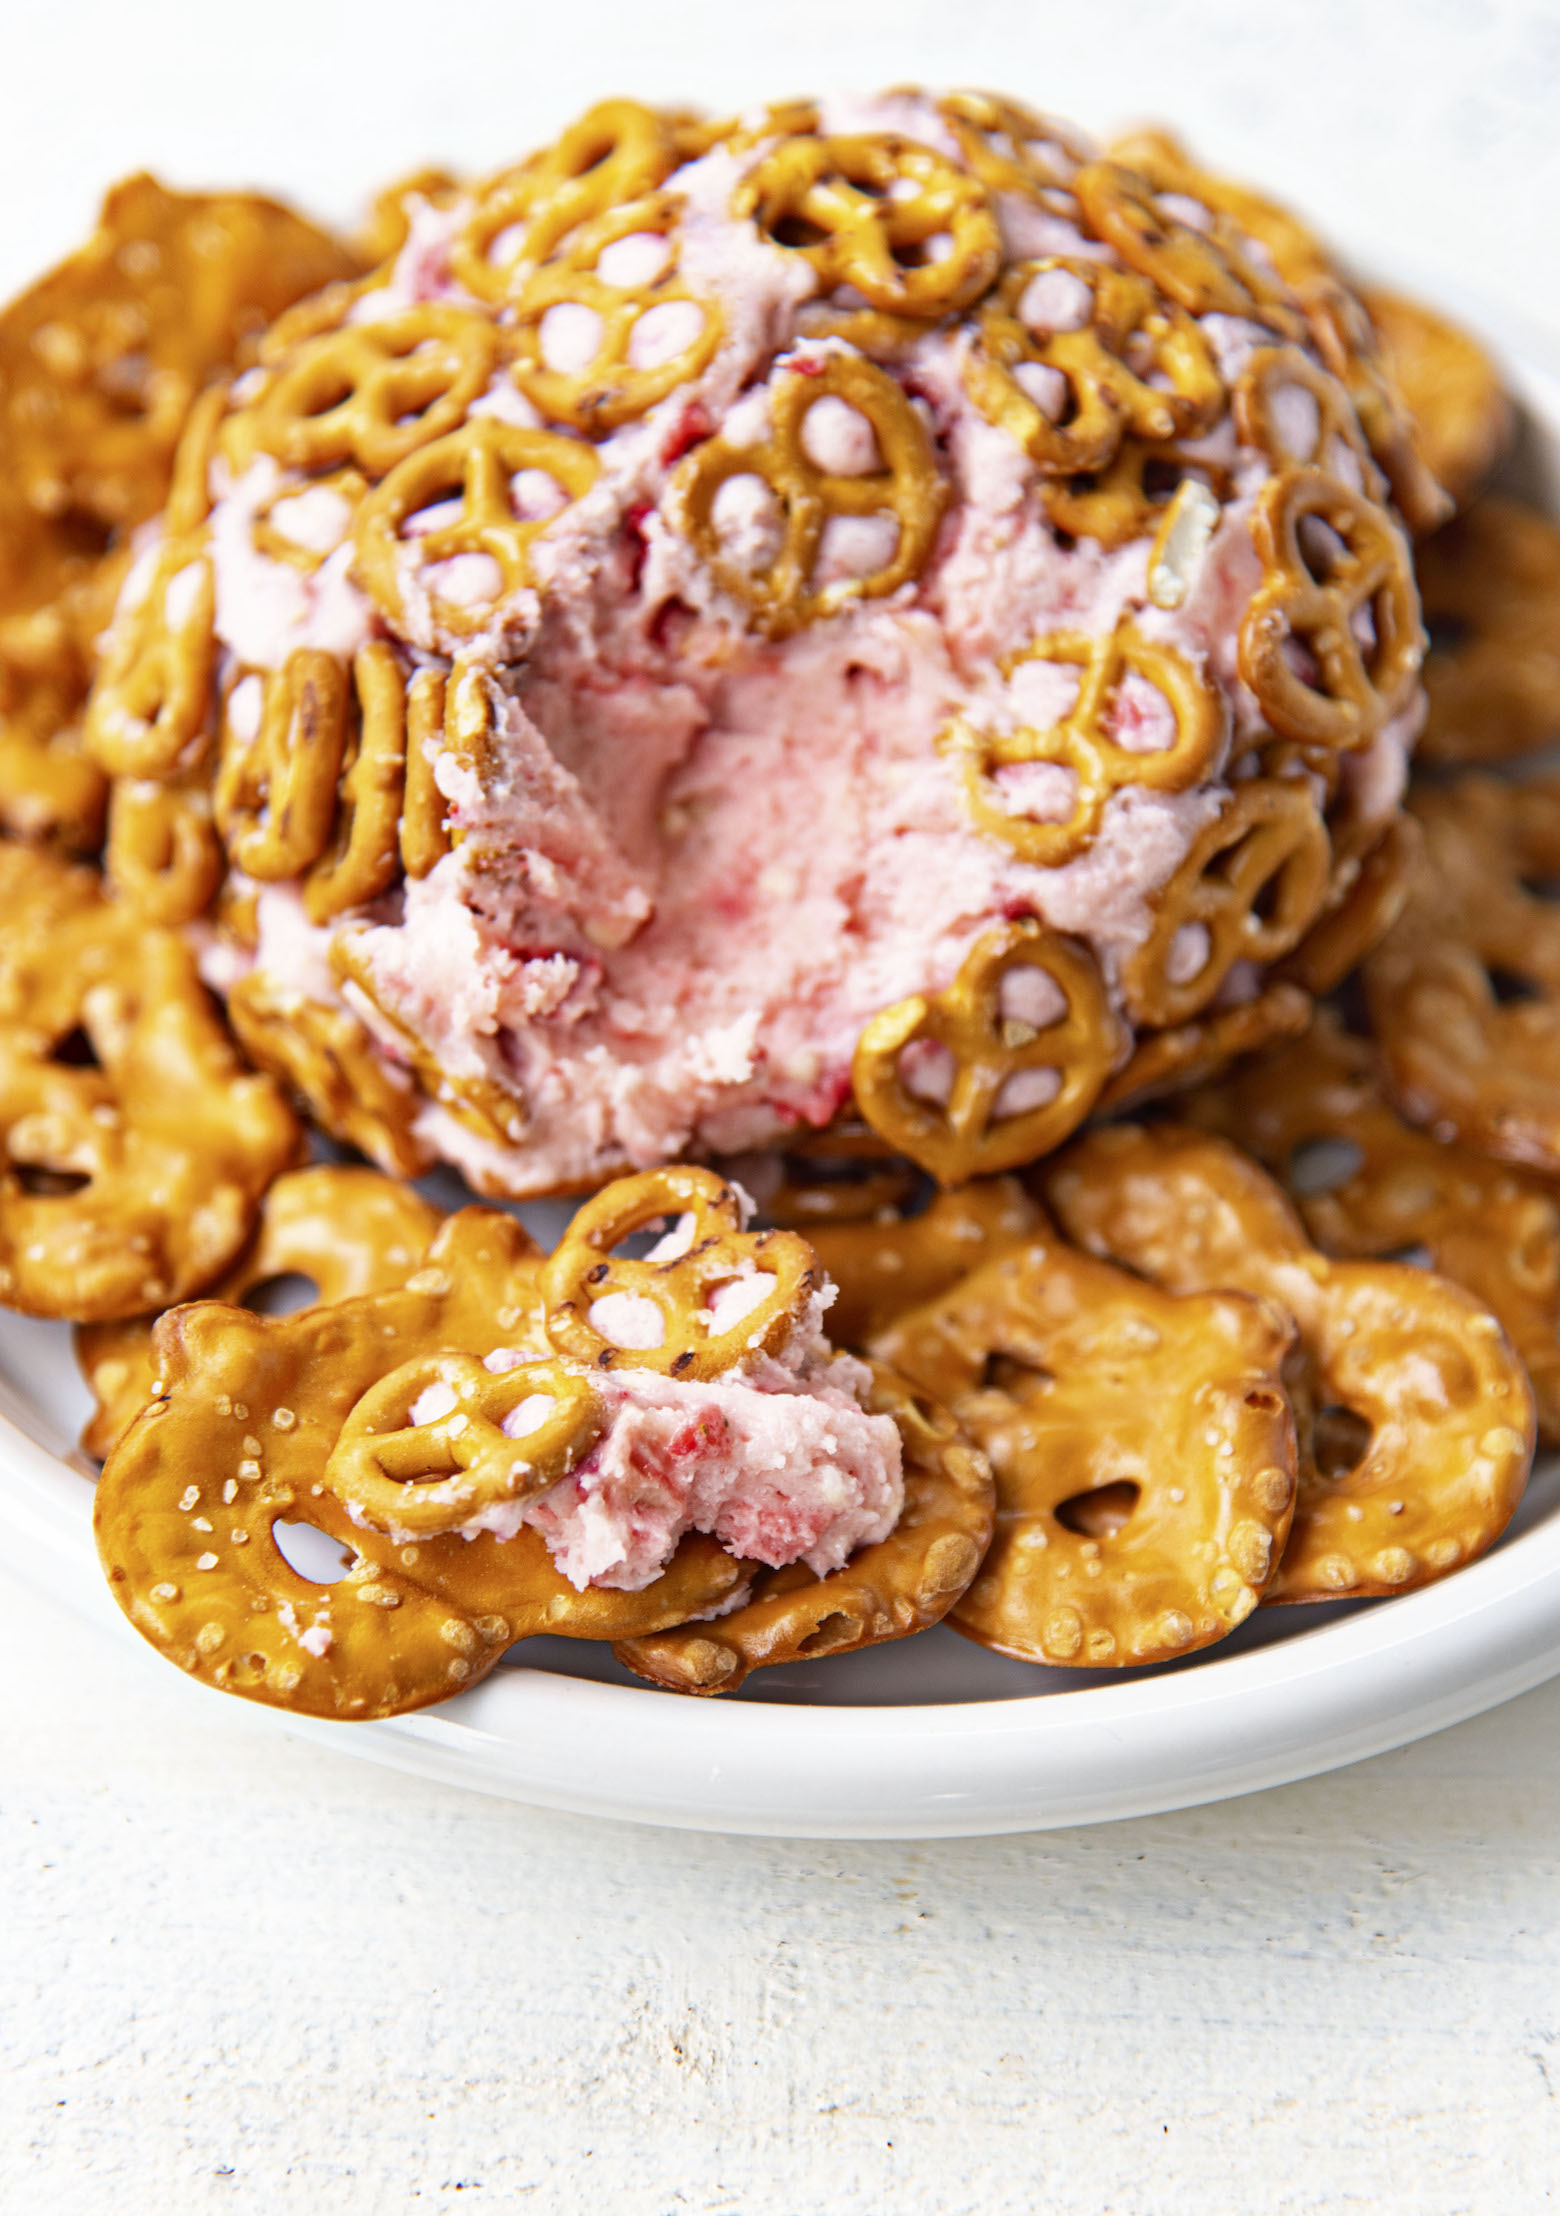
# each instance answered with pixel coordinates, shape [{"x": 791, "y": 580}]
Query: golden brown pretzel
[
  {"x": 841, "y": 1174},
  {"x": 1106, "y": 398},
  {"x": 1240, "y": 216},
  {"x": 1344, "y": 336},
  {"x": 162, "y": 857},
  {"x": 1490, "y": 582},
  {"x": 1204, "y": 272},
  {"x": 1166, "y": 1062},
  {"x": 387, "y": 227},
  {"x": 1080, "y": 742},
  {"x": 350, "y": 1230},
  {"x": 1461, "y": 416},
  {"x": 670, "y": 1303},
  {"x": 904, "y": 1584},
  {"x": 274, "y": 799},
  {"x": 1464, "y": 991},
  {"x": 1131, "y": 495},
  {"x": 485, "y": 1104},
  {"x": 890, "y": 1263},
  {"x": 1249, "y": 888},
  {"x": 241, "y": 1437},
  {"x": 611, "y": 388},
  {"x": 363, "y": 859},
  {"x": 133, "y": 1148},
  {"x": 617, "y": 151},
  {"x": 909, "y": 487},
  {"x": 325, "y": 1056},
  {"x": 1317, "y": 1116},
  {"x": 478, "y": 462},
  {"x": 1262, "y": 421},
  {"x": 152, "y": 699},
  {"x": 1412, "y": 1361},
  {"x": 1011, "y": 148},
  {"x": 867, "y": 208},
  {"x": 1367, "y": 895},
  {"x": 1310, "y": 594},
  {"x": 970, "y": 1133},
  {"x": 1143, "y": 1449}
]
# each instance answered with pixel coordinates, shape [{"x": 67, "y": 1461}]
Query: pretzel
[
  {"x": 1275, "y": 374},
  {"x": 611, "y": 388},
  {"x": 882, "y": 1268},
  {"x": 1375, "y": 890},
  {"x": 1143, "y": 1448},
  {"x": 1310, "y": 595},
  {"x": 1344, "y": 336},
  {"x": 1248, "y": 889},
  {"x": 371, "y": 393},
  {"x": 971, "y": 1132},
  {"x": 863, "y": 212},
  {"x": 1464, "y": 991},
  {"x": 274, "y": 799},
  {"x": 162, "y": 856},
  {"x": 492, "y": 1109},
  {"x": 53, "y": 605},
  {"x": 49, "y": 789},
  {"x": 1461, "y": 416},
  {"x": 1013, "y": 149},
  {"x": 102, "y": 358},
  {"x": 841, "y": 1174},
  {"x": 1131, "y": 495},
  {"x": 364, "y": 856},
  {"x": 478, "y": 462},
  {"x": 669, "y": 1303},
  {"x": 1239, "y": 215},
  {"x": 1490, "y": 582},
  {"x": 325, "y": 1056},
  {"x": 784, "y": 596},
  {"x": 151, "y": 702},
  {"x": 351, "y": 1231},
  {"x": 1107, "y": 360},
  {"x": 617, "y": 151},
  {"x": 133, "y": 1150},
  {"x": 1411, "y": 1360},
  {"x": 1166, "y": 1062},
  {"x": 1081, "y": 743},
  {"x": 388, "y": 225},
  {"x": 904, "y": 1584},
  {"x": 242, "y": 1436},
  {"x": 1367, "y": 1184},
  {"x": 1204, "y": 272}
]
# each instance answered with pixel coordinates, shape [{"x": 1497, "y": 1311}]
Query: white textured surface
[{"x": 236, "y": 1974}]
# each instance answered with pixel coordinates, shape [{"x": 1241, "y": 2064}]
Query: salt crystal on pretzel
[
  {"x": 1143, "y": 1449},
  {"x": 1385, "y": 1350}
]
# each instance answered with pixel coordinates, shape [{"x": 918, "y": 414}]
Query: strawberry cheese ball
[{"x": 874, "y": 594}]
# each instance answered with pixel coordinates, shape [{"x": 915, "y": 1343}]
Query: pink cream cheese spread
[{"x": 695, "y": 851}]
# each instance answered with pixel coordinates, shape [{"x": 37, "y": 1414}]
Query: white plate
[{"x": 930, "y": 1738}]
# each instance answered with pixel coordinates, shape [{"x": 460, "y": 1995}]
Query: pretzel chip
[
  {"x": 133, "y": 1149},
  {"x": 787, "y": 593},
  {"x": 869, "y": 208},
  {"x": 351, "y": 1231},
  {"x": 1248, "y": 890},
  {"x": 1083, "y": 743},
  {"x": 1461, "y": 415},
  {"x": 480, "y": 464},
  {"x": 707, "y": 1297},
  {"x": 1490, "y": 582},
  {"x": 904, "y": 1584},
  {"x": 1004, "y": 1073},
  {"x": 1386, "y": 1351},
  {"x": 1143, "y": 1449},
  {"x": 1368, "y": 1185},
  {"x": 1464, "y": 991},
  {"x": 882, "y": 1268},
  {"x": 325, "y": 1056},
  {"x": 1331, "y": 558},
  {"x": 243, "y": 1435}
]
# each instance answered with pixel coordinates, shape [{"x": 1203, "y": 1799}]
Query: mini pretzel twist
[
  {"x": 867, "y": 208},
  {"x": 163, "y": 857},
  {"x": 1355, "y": 919},
  {"x": 413, "y": 1476},
  {"x": 1081, "y": 742},
  {"x": 1204, "y": 273},
  {"x": 1367, "y": 1184},
  {"x": 1407, "y": 1358},
  {"x": 624, "y": 375},
  {"x": 275, "y": 793},
  {"x": 1237, "y": 214},
  {"x": 784, "y": 595},
  {"x": 1143, "y": 1447},
  {"x": 1013, "y": 149},
  {"x": 904, "y": 1584},
  {"x": 371, "y": 393},
  {"x": 478, "y": 463},
  {"x": 1166, "y": 1062},
  {"x": 1451, "y": 389},
  {"x": 1017, "y": 1088},
  {"x": 492, "y": 1109},
  {"x": 152, "y": 699},
  {"x": 668, "y": 1305},
  {"x": 133, "y": 1148},
  {"x": 1132, "y": 495},
  {"x": 348, "y": 1230},
  {"x": 1299, "y": 417},
  {"x": 240, "y": 1439},
  {"x": 1346, "y": 339},
  {"x": 364, "y": 856},
  {"x": 326, "y": 1056},
  {"x": 1249, "y": 888},
  {"x": 1133, "y": 365},
  {"x": 617, "y": 151}
]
